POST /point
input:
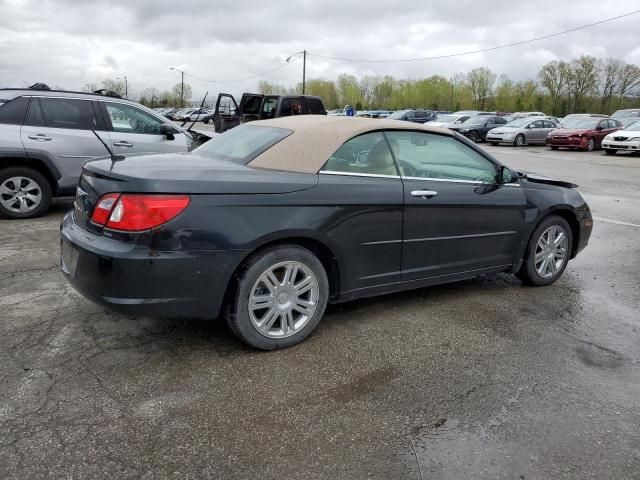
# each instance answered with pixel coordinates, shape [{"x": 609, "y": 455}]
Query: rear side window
[
  {"x": 68, "y": 113},
  {"x": 292, "y": 106},
  {"x": 242, "y": 144},
  {"x": 269, "y": 107},
  {"x": 13, "y": 111},
  {"x": 366, "y": 154},
  {"x": 315, "y": 106}
]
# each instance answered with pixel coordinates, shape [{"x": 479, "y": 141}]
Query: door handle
[
  {"x": 424, "y": 193},
  {"x": 40, "y": 136},
  {"x": 122, "y": 144}
]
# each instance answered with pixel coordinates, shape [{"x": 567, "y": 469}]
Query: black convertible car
[{"x": 269, "y": 222}]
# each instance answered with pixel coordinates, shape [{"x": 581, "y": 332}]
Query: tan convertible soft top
[{"x": 316, "y": 137}]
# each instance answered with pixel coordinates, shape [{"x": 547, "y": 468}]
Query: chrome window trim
[
  {"x": 373, "y": 175},
  {"x": 473, "y": 182},
  {"x": 353, "y": 174}
]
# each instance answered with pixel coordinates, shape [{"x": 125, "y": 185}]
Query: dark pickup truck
[{"x": 253, "y": 106}]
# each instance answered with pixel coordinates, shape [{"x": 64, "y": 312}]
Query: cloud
[{"x": 74, "y": 42}]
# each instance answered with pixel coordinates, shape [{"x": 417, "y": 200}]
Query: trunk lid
[{"x": 181, "y": 173}]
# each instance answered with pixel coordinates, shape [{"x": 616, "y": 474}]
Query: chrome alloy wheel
[
  {"x": 551, "y": 251},
  {"x": 283, "y": 299},
  {"x": 20, "y": 194}
]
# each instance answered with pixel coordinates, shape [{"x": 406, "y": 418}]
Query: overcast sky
[{"x": 69, "y": 43}]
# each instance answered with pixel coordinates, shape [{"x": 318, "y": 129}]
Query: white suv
[{"x": 46, "y": 136}]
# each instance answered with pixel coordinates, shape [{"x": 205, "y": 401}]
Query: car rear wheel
[
  {"x": 279, "y": 297},
  {"x": 474, "y": 136},
  {"x": 24, "y": 193},
  {"x": 554, "y": 148},
  {"x": 610, "y": 151},
  {"x": 548, "y": 252},
  {"x": 519, "y": 140},
  {"x": 591, "y": 145}
]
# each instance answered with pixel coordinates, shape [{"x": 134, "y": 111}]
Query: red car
[{"x": 585, "y": 133}]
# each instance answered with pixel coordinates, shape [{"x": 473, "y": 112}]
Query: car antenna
[
  {"x": 114, "y": 158},
  {"x": 201, "y": 107}
]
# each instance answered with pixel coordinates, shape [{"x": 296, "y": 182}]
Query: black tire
[
  {"x": 519, "y": 140},
  {"x": 528, "y": 273},
  {"x": 554, "y": 148},
  {"x": 237, "y": 308},
  {"x": 494, "y": 143},
  {"x": 474, "y": 136},
  {"x": 591, "y": 145},
  {"x": 42, "y": 185},
  {"x": 610, "y": 151}
]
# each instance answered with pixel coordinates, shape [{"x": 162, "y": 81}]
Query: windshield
[
  {"x": 397, "y": 115},
  {"x": 518, "y": 123},
  {"x": 446, "y": 118},
  {"x": 581, "y": 123},
  {"x": 477, "y": 120},
  {"x": 242, "y": 144},
  {"x": 626, "y": 113},
  {"x": 633, "y": 126}
]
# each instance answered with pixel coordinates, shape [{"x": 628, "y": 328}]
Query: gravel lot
[{"x": 478, "y": 379}]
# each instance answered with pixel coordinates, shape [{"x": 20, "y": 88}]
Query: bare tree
[
  {"x": 554, "y": 78},
  {"x": 610, "y": 77},
  {"x": 583, "y": 80},
  {"x": 629, "y": 81},
  {"x": 480, "y": 81}
]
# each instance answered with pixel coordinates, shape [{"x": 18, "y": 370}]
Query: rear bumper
[{"x": 135, "y": 280}]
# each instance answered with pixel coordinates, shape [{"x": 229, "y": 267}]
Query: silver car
[
  {"x": 522, "y": 131},
  {"x": 46, "y": 136}
]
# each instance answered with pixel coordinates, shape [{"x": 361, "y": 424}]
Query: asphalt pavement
[{"x": 479, "y": 379}]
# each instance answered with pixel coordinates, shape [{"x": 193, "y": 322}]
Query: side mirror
[
  {"x": 599, "y": 128},
  {"x": 167, "y": 131},
  {"x": 507, "y": 175}
]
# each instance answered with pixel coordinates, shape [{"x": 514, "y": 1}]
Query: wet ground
[{"x": 479, "y": 379}]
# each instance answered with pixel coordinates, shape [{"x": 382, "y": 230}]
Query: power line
[
  {"x": 475, "y": 51},
  {"x": 240, "y": 79}
]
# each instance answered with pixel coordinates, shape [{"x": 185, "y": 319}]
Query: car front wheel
[
  {"x": 24, "y": 193},
  {"x": 279, "y": 297},
  {"x": 548, "y": 252},
  {"x": 591, "y": 145},
  {"x": 519, "y": 140},
  {"x": 474, "y": 136}
]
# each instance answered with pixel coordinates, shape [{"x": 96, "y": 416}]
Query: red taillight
[
  {"x": 132, "y": 212},
  {"x": 103, "y": 208}
]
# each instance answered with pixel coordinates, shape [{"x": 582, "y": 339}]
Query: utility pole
[
  {"x": 304, "y": 67},
  {"x": 181, "y": 85},
  {"x": 304, "y": 70}
]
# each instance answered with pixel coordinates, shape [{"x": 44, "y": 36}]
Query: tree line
[{"x": 584, "y": 84}]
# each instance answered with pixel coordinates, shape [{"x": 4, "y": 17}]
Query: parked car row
[{"x": 576, "y": 131}]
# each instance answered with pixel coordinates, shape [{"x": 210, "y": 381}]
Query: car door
[
  {"x": 536, "y": 133},
  {"x": 133, "y": 130},
  {"x": 457, "y": 217},
  {"x": 250, "y": 107},
  {"x": 365, "y": 198},
  {"x": 227, "y": 114},
  {"x": 60, "y": 129}
]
